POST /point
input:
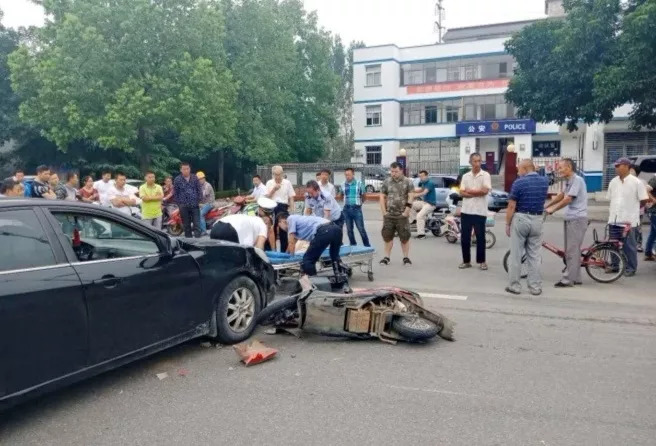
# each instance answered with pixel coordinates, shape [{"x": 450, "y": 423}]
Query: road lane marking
[{"x": 442, "y": 296}]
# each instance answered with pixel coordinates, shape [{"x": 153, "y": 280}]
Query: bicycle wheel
[
  {"x": 506, "y": 264},
  {"x": 490, "y": 239},
  {"x": 605, "y": 264}
]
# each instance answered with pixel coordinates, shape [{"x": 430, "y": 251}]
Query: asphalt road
[{"x": 572, "y": 367}]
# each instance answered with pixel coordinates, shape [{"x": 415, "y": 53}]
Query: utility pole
[{"x": 438, "y": 26}]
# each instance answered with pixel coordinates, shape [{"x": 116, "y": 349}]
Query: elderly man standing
[
  {"x": 524, "y": 227},
  {"x": 280, "y": 190},
  {"x": 626, "y": 194},
  {"x": 322, "y": 205},
  {"x": 474, "y": 187},
  {"x": 575, "y": 201}
]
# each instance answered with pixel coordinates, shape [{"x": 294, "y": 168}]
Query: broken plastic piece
[
  {"x": 254, "y": 353},
  {"x": 162, "y": 375}
]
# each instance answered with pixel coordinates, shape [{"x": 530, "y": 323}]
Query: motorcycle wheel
[
  {"x": 174, "y": 229},
  {"x": 414, "y": 328},
  {"x": 451, "y": 238},
  {"x": 268, "y": 315}
]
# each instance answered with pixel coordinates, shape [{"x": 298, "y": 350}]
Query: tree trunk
[
  {"x": 221, "y": 166},
  {"x": 142, "y": 148}
]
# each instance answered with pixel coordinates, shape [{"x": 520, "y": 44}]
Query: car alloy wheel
[{"x": 240, "y": 310}]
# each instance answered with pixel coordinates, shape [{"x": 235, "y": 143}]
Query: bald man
[{"x": 524, "y": 218}]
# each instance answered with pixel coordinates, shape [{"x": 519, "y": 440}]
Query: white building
[{"x": 441, "y": 102}]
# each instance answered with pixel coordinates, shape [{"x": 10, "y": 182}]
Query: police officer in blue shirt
[
  {"x": 319, "y": 204},
  {"x": 321, "y": 234}
]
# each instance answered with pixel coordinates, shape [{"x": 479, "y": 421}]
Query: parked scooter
[
  {"x": 389, "y": 314},
  {"x": 174, "y": 225},
  {"x": 435, "y": 223},
  {"x": 454, "y": 229}
]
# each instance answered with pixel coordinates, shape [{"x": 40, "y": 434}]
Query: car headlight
[{"x": 261, "y": 254}]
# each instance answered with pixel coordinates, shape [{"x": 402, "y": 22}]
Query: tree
[
  {"x": 581, "y": 67},
  {"x": 282, "y": 61},
  {"x": 341, "y": 147},
  {"x": 9, "y": 122},
  {"x": 631, "y": 76},
  {"x": 127, "y": 74}
]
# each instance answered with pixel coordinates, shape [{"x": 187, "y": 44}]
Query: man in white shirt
[
  {"x": 626, "y": 194},
  {"x": 259, "y": 189},
  {"x": 327, "y": 188},
  {"x": 240, "y": 228},
  {"x": 103, "y": 186},
  {"x": 282, "y": 192},
  {"x": 122, "y": 197},
  {"x": 474, "y": 187}
]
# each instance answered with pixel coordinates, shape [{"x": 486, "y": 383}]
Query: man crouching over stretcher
[{"x": 319, "y": 232}]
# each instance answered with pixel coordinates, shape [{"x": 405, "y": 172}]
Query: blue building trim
[
  {"x": 431, "y": 138},
  {"x": 375, "y": 101},
  {"x": 435, "y": 59}
]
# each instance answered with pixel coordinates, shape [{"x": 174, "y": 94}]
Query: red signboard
[{"x": 457, "y": 86}]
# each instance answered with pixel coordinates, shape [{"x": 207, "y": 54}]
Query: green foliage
[
  {"x": 340, "y": 147},
  {"x": 282, "y": 61},
  {"x": 124, "y": 72},
  {"x": 582, "y": 67},
  {"x": 9, "y": 122},
  {"x": 145, "y": 83}
]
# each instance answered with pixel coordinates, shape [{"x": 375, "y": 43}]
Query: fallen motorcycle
[{"x": 389, "y": 314}]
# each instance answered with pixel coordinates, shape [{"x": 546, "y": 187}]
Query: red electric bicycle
[{"x": 603, "y": 260}]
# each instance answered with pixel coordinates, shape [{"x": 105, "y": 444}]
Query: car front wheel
[{"x": 237, "y": 310}]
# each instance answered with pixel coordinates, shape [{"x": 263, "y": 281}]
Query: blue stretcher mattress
[{"x": 278, "y": 258}]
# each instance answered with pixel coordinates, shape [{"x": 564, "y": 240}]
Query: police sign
[{"x": 502, "y": 127}]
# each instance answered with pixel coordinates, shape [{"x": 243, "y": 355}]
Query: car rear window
[
  {"x": 648, "y": 165},
  {"x": 24, "y": 243}
]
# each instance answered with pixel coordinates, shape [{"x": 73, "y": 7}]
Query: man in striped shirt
[{"x": 353, "y": 192}]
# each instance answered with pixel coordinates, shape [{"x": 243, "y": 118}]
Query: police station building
[{"x": 439, "y": 103}]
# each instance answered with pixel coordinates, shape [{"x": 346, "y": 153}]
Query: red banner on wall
[{"x": 457, "y": 86}]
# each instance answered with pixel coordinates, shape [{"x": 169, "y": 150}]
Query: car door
[
  {"x": 43, "y": 318},
  {"x": 138, "y": 294}
]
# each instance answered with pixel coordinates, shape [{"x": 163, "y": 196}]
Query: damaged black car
[{"x": 84, "y": 289}]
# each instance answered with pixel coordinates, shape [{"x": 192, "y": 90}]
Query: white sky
[{"x": 376, "y": 22}]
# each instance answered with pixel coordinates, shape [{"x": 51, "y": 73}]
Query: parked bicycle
[{"x": 603, "y": 260}]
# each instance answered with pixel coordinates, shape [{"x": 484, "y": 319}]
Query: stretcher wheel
[{"x": 370, "y": 276}]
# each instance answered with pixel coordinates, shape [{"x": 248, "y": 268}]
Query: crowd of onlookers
[{"x": 630, "y": 198}]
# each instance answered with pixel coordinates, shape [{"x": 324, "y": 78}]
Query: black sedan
[{"x": 84, "y": 289}]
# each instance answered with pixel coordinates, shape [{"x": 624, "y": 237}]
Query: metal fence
[
  {"x": 300, "y": 173},
  {"x": 548, "y": 166},
  {"x": 625, "y": 145},
  {"x": 436, "y": 157}
]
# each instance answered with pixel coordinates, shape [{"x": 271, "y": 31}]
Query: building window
[
  {"x": 374, "y": 116},
  {"x": 374, "y": 155},
  {"x": 503, "y": 69},
  {"x": 460, "y": 70},
  {"x": 430, "y": 114},
  {"x": 373, "y": 75},
  {"x": 451, "y": 113}
]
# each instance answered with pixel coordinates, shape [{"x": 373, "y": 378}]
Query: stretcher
[{"x": 351, "y": 256}]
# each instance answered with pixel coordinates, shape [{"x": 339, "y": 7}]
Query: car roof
[{"x": 36, "y": 202}]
